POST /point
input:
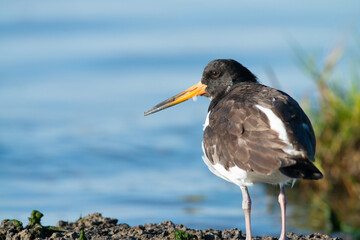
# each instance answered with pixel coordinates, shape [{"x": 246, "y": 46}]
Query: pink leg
[
  {"x": 282, "y": 202},
  {"x": 246, "y": 206}
]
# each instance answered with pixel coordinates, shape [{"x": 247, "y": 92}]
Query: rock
[{"x": 95, "y": 226}]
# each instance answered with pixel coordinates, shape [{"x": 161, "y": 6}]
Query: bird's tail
[{"x": 304, "y": 169}]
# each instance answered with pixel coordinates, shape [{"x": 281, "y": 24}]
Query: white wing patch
[
  {"x": 277, "y": 125},
  {"x": 206, "y": 121}
]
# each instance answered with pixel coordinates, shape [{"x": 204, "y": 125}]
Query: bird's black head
[
  {"x": 221, "y": 75},
  {"x": 218, "y": 78}
]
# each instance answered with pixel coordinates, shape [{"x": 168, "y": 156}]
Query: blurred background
[{"x": 76, "y": 77}]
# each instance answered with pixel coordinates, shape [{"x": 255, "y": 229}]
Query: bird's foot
[{"x": 283, "y": 236}]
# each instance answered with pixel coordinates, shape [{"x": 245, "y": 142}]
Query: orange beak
[{"x": 196, "y": 90}]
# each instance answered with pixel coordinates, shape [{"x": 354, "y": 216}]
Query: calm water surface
[{"x": 76, "y": 77}]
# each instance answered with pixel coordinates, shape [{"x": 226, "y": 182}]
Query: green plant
[
  {"x": 17, "y": 223},
  {"x": 35, "y": 218},
  {"x": 333, "y": 203},
  {"x": 82, "y": 235},
  {"x": 182, "y": 235}
]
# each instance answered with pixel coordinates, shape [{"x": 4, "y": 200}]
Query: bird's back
[{"x": 261, "y": 131}]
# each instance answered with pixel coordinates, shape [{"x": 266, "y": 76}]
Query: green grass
[
  {"x": 333, "y": 203},
  {"x": 182, "y": 235}
]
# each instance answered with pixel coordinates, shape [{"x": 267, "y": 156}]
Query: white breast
[{"x": 242, "y": 178}]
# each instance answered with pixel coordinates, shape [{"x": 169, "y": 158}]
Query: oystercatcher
[{"x": 252, "y": 133}]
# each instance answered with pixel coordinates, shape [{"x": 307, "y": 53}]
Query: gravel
[{"x": 95, "y": 226}]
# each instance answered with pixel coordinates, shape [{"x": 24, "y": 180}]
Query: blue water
[{"x": 76, "y": 77}]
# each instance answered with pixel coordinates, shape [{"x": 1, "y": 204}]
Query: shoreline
[{"x": 95, "y": 226}]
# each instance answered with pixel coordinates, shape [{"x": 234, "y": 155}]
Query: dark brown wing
[
  {"x": 298, "y": 126},
  {"x": 239, "y": 133},
  {"x": 241, "y": 136},
  {"x": 301, "y": 136}
]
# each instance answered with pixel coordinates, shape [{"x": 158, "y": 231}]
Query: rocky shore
[{"x": 95, "y": 226}]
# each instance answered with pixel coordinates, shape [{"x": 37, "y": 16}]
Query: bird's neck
[
  {"x": 215, "y": 99},
  {"x": 221, "y": 95}
]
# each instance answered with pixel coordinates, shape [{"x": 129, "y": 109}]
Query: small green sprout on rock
[
  {"x": 82, "y": 235},
  {"x": 35, "y": 218},
  {"x": 182, "y": 235}
]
